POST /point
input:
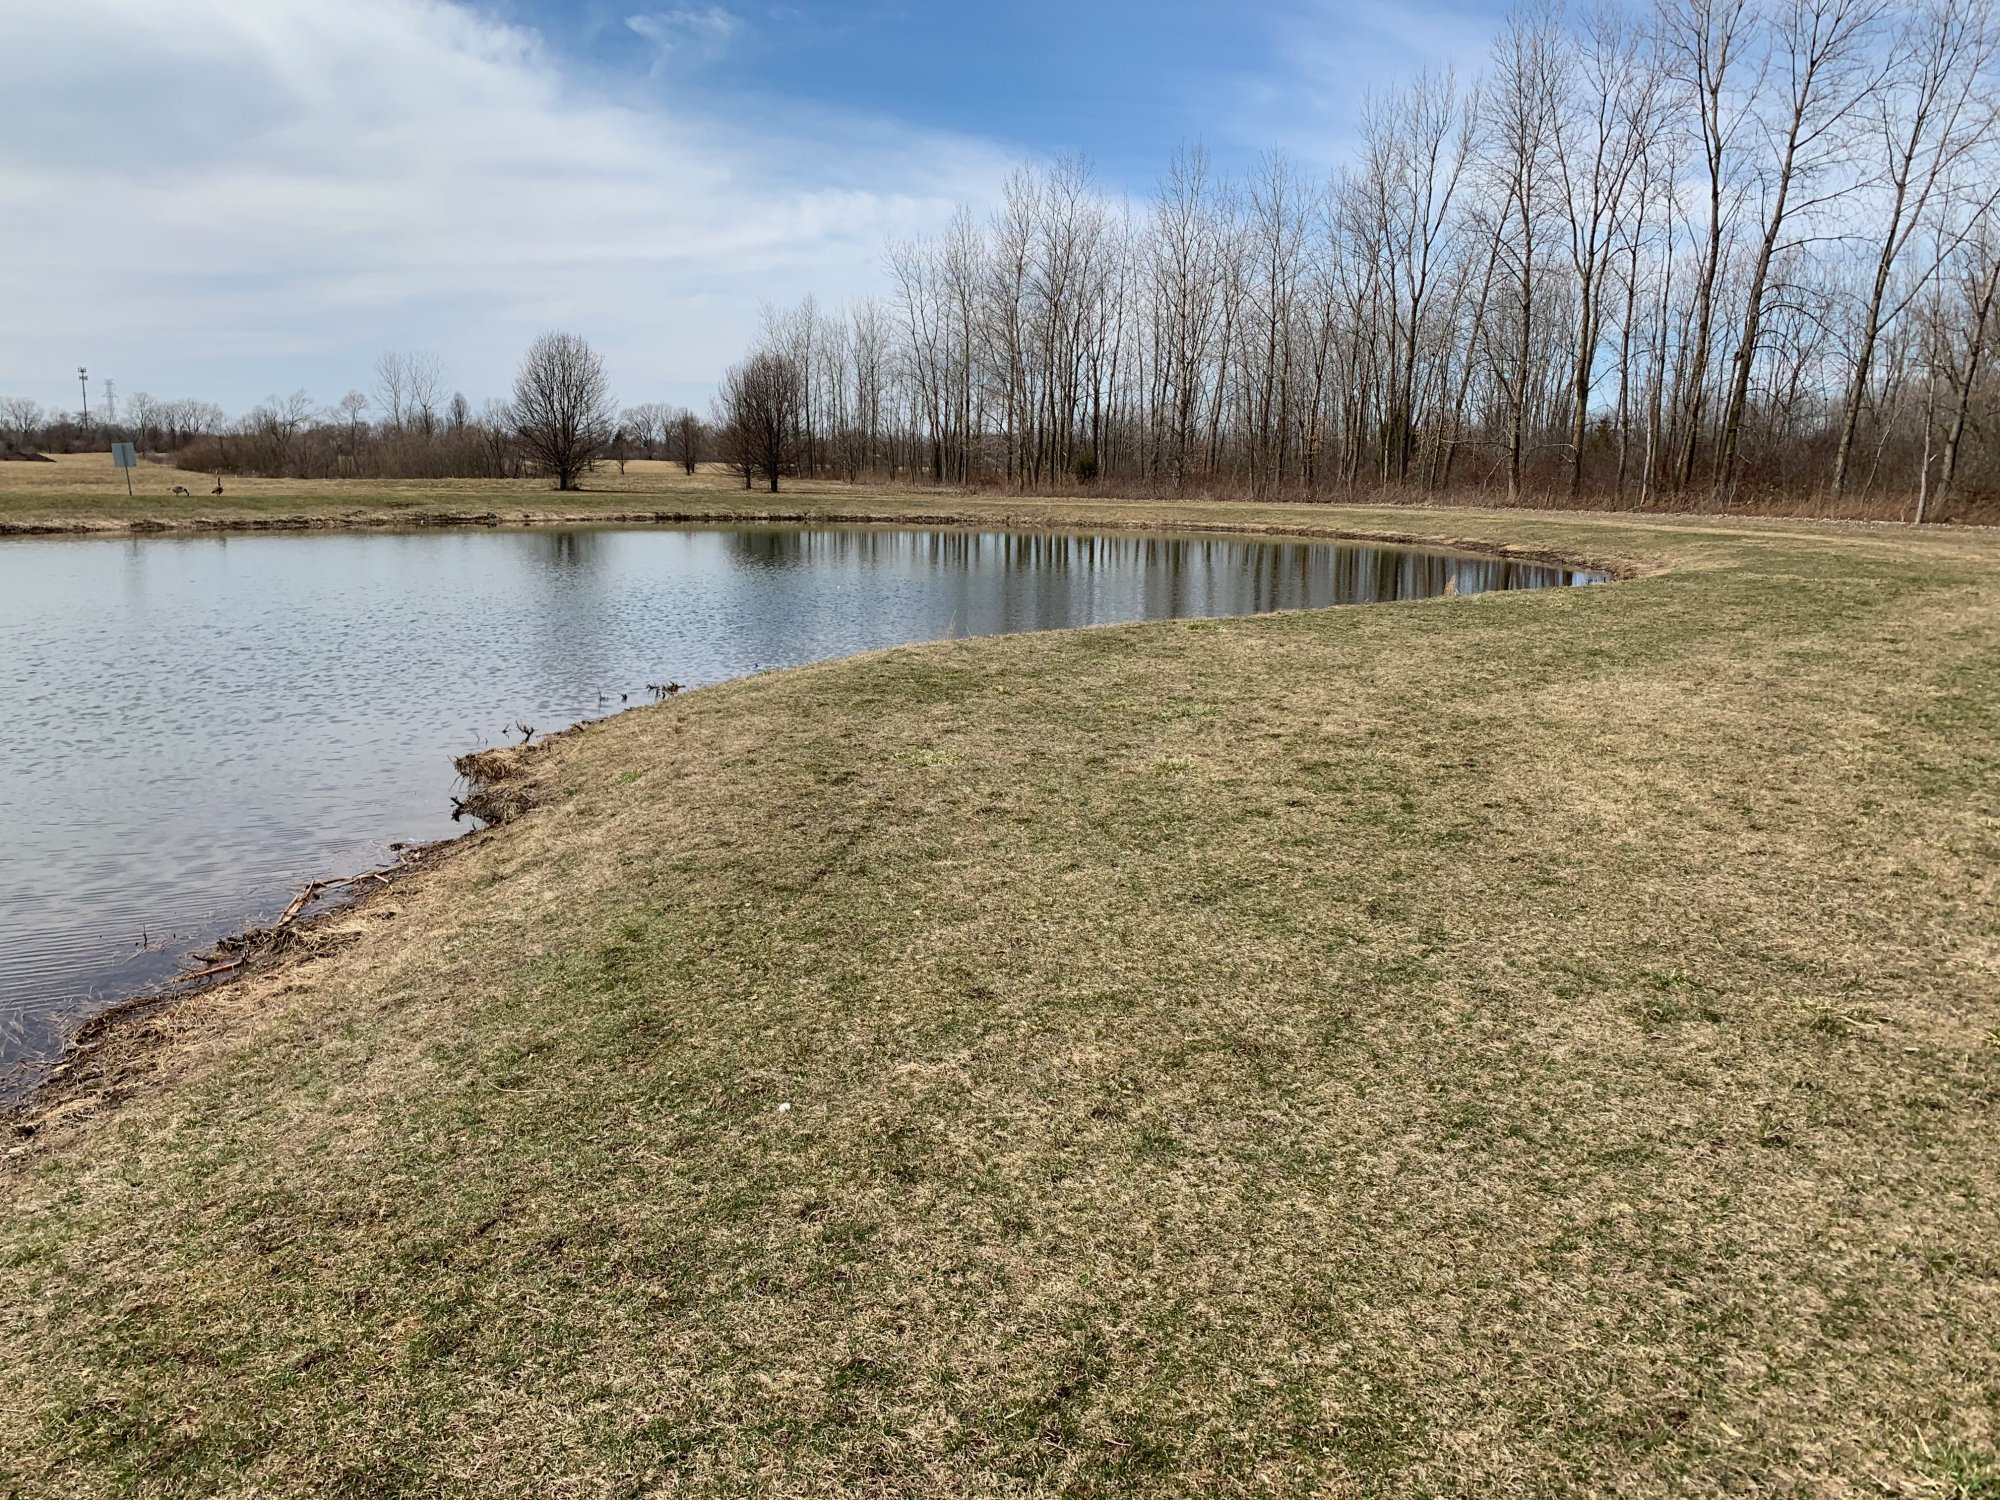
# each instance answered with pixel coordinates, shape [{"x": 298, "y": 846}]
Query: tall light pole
[{"x": 83, "y": 381}]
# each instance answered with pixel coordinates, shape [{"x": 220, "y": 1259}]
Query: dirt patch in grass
[{"x": 1530, "y": 1044}]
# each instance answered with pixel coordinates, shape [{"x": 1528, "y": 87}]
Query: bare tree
[
  {"x": 760, "y": 409},
  {"x": 23, "y": 419},
  {"x": 1417, "y": 145},
  {"x": 392, "y": 387},
  {"x": 563, "y": 413},
  {"x": 686, "y": 436},
  {"x": 500, "y": 452},
  {"x": 276, "y": 425},
  {"x": 144, "y": 412},
  {"x": 642, "y": 426},
  {"x": 349, "y": 409},
  {"x": 425, "y": 374},
  {"x": 1826, "y": 70},
  {"x": 1980, "y": 292},
  {"x": 1704, "y": 45},
  {"x": 346, "y": 417},
  {"x": 1530, "y": 84},
  {"x": 1601, "y": 131},
  {"x": 1923, "y": 125}
]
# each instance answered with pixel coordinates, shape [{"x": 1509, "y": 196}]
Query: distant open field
[
  {"x": 84, "y": 491},
  {"x": 1534, "y": 1044}
]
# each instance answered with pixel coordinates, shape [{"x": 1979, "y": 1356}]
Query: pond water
[{"x": 195, "y": 727}]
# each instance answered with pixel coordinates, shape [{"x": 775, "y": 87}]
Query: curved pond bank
[{"x": 199, "y": 726}]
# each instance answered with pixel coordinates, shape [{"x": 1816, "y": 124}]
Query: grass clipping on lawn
[{"x": 1528, "y": 1044}]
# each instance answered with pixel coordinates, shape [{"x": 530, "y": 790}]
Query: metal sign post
[{"x": 125, "y": 457}]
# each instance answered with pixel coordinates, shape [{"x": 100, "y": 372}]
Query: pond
[{"x": 195, "y": 727}]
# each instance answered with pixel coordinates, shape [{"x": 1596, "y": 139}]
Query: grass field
[
  {"x": 83, "y": 492},
  {"x": 1533, "y": 1044}
]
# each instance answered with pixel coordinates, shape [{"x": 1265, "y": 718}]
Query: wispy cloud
[
  {"x": 1329, "y": 55},
  {"x": 224, "y": 199},
  {"x": 685, "y": 31}
]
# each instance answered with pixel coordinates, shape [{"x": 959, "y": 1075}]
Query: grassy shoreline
[
  {"x": 80, "y": 494},
  {"x": 1523, "y": 1044}
]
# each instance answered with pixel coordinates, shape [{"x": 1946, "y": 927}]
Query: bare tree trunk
[
  {"x": 1821, "y": 41},
  {"x": 1975, "y": 347},
  {"x": 1704, "y": 40}
]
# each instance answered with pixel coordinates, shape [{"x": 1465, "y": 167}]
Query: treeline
[
  {"x": 1727, "y": 251},
  {"x": 26, "y": 426},
  {"x": 404, "y": 427}
]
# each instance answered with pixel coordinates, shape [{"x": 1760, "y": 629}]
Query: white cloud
[
  {"x": 223, "y": 198},
  {"x": 1329, "y": 55},
  {"x": 674, "y": 35}
]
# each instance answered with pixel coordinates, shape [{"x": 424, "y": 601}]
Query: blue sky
[
  {"x": 234, "y": 198},
  {"x": 1121, "y": 81}
]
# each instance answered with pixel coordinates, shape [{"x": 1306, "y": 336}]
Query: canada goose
[{"x": 180, "y": 489}]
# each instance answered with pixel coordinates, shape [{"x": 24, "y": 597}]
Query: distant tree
[
  {"x": 644, "y": 426},
  {"x": 563, "y": 412},
  {"x": 145, "y": 414},
  {"x": 458, "y": 415},
  {"x": 22, "y": 418},
  {"x": 277, "y": 424},
  {"x": 686, "y": 435},
  {"x": 760, "y": 408},
  {"x": 346, "y": 415},
  {"x": 728, "y": 438},
  {"x": 501, "y": 453},
  {"x": 425, "y": 373},
  {"x": 392, "y": 387},
  {"x": 349, "y": 409}
]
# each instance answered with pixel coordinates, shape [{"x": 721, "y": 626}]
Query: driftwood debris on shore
[{"x": 263, "y": 942}]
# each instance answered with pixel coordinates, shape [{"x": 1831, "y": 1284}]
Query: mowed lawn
[{"x": 1532, "y": 1044}]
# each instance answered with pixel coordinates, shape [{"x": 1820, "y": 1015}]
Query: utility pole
[{"x": 83, "y": 382}]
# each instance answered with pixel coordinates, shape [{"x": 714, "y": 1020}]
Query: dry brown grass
[
  {"x": 1531, "y": 1044},
  {"x": 84, "y": 492}
]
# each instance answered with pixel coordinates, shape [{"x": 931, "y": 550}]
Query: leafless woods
[
  {"x": 1710, "y": 253},
  {"x": 1722, "y": 248}
]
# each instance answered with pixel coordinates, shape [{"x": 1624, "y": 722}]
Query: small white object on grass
[{"x": 783, "y": 1107}]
